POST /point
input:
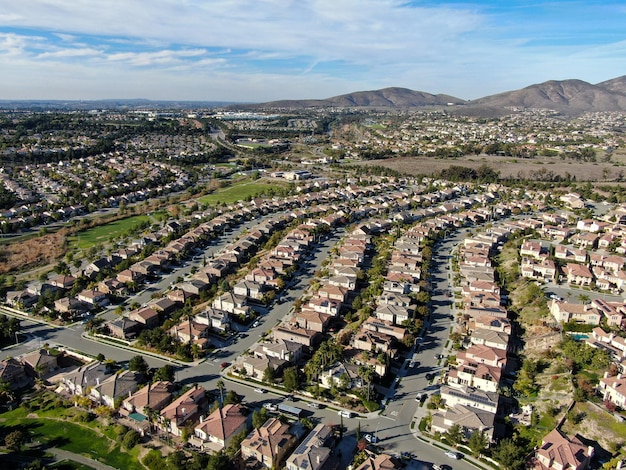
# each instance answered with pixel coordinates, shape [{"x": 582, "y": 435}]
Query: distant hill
[
  {"x": 566, "y": 96},
  {"x": 387, "y": 97}
]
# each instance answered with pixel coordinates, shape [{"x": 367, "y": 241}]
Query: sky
[{"x": 262, "y": 50}]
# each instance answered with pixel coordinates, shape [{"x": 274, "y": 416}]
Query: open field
[
  {"x": 237, "y": 192},
  {"x": 101, "y": 234},
  {"x": 508, "y": 167}
]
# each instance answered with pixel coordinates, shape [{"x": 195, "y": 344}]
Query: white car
[
  {"x": 345, "y": 414},
  {"x": 255, "y": 324},
  {"x": 453, "y": 455},
  {"x": 270, "y": 407},
  {"x": 259, "y": 390},
  {"x": 313, "y": 405},
  {"x": 372, "y": 439}
]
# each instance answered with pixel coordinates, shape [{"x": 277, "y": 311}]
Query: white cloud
[
  {"x": 254, "y": 50},
  {"x": 162, "y": 57},
  {"x": 71, "y": 52}
]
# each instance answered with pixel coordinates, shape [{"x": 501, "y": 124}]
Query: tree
[
  {"x": 367, "y": 374},
  {"x": 290, "y": 379},
  {"x": 259, "y": 417},
  {"x": 138, "y": 364},
  {"x": 232, "y": 398},
  {"x": 509, "y": 455},
  {"x": 477, "y": 442},
  {"x": 220, "y": 386},
  {"x": 167, "y": 373},
  {"x": 268, "y": 374},
  {"x": 131, "y": 439},
  {"x": 219, "y": 461},
  {"x": 455, "y": 434},
  {"x": 15, "y": 440}
]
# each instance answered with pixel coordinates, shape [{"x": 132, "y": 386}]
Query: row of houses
[
  {"x": 589, "y": 253},
  {"x": 471, "y": 393}
]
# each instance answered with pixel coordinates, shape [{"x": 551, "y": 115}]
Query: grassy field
[
  {"x": 237, "y": 192},
  {"x": 101, "y": 234},
  {"x": 53, "y": 426}
]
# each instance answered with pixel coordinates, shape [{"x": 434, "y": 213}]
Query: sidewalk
[{"x": 61, "y": 455}]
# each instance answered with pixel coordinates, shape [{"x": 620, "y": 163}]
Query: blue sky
[{"x": 260, "y": 50}]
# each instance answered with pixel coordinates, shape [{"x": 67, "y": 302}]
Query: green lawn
[
  {"x": 101, "y": 234},
  {"x": 53, "y": 427},
  {"x": 237, "y": 192}
]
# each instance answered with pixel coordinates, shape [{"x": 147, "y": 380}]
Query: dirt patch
[
  {"x": 45, "y": 249},
  {"x": 533, "y": 169}
]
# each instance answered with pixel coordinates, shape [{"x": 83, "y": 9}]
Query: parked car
[
  {"x": 313, "y": 405},
  {"x": 270, "y": 406},
  {"x": 371, "y": 438},
  {"x": 453, "y": 455},
  {"x": 260, "y": 390},
  {"x": 345, "y": 414}
]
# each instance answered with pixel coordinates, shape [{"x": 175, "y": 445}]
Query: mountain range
[{"x": 570, "y": 97}]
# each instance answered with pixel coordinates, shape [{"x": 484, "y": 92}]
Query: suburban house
[
  {"x": 124, "y": 328},
  {"x": 471, "y": 397},
  {"x": 147, "y": 317},
  {"x": 79, "y": 381},
  {"x": 613, "y": 389},
  {"x": 190, "y": 331},
  {"x": 216, "y": 431},
  {"x": 269, "y": 444},
  {"x": 40, "y": 363},
  {"x": 569, "y": 312},
  {"x": 559, "y": 452},
  {"x": 153, "y": 397},
  {"x": 468, "y": 418},
  {"x": 13, "y": 373},
  {"x": 185, "y": 409},
  {"x": 314, "y": 451},
  {"x": 115, "y": 387}
]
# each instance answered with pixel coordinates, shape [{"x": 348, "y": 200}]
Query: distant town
[{"x": 312, "y": 289}]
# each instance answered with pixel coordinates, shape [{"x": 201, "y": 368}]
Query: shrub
[{"x": 131, "y": 439}]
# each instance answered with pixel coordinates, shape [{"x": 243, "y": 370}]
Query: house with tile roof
[
  {"x": 380, "y": 462},
  {"x": 154, "y": 396},
  {"x": 185, "y": 409},
  {"x": 559, "y": 452},
  {"x": 270, "y": 444},
  {"x": 216, "y": 431}
]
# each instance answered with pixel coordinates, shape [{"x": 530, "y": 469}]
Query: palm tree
[
  {"x": 367, "y": 374},
  {"x": 221, "y": 387}
]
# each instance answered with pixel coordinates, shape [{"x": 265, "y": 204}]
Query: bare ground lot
[{"x": 508, "y": 167}]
